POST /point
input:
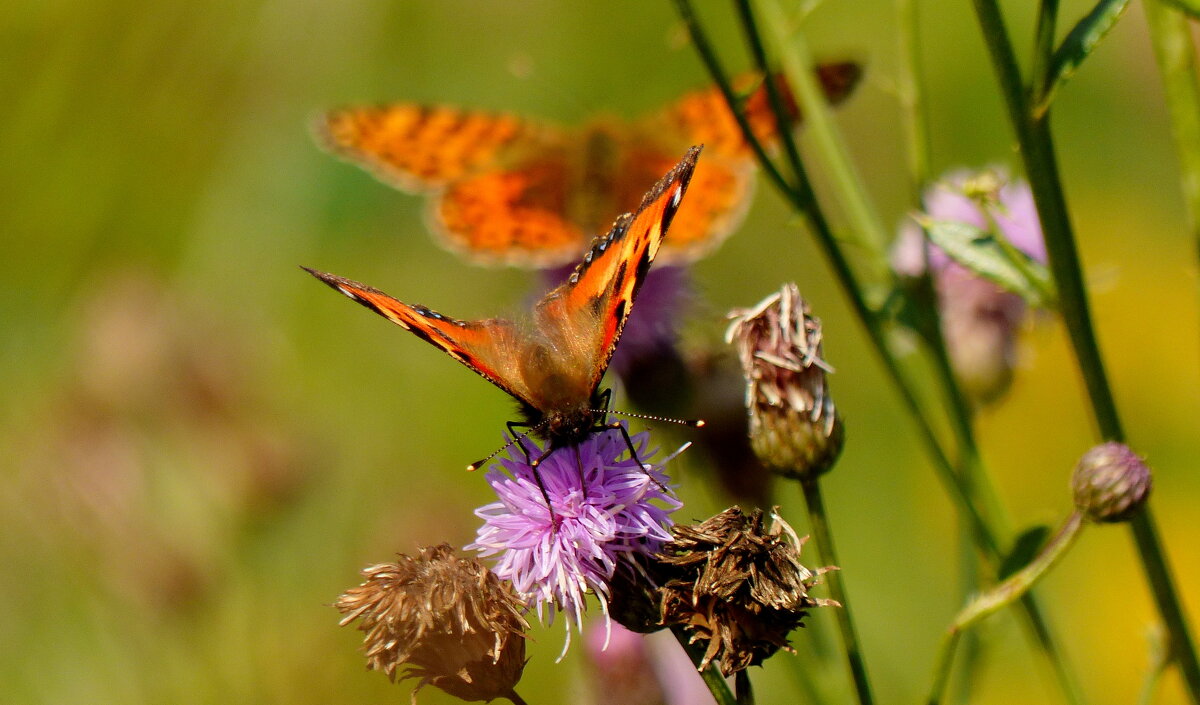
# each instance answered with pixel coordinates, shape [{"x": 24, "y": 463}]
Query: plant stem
[
  {"x": 1000, "y": 596},
  {"x": 1172, "y": 41},
  {"x": 867, "y": 227},
  {"x": 712, "y": 677},
  {"x": 1037, "y": 151},
  {"x": 910, "y": 85},
  {"x": 515, "y": 699},
  {"x": 819, "y": 522},
  {"x": 1043, "y": 48},
  {"x": 742, "y": 688},
  {"x": 803, "y": 200}
]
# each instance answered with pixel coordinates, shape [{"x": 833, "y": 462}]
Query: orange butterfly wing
[
  {"x": 561, "y": 359},
  {"x": 589, "y": 311},
  {"x": 421, "y": 148},
  {"x": 490, "y": 347},
  {"x": 504, "y": 190}
]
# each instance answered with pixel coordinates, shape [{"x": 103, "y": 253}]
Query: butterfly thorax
[{"x": 564, "y": 426}]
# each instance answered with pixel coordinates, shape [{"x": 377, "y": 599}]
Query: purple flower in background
[
  {"x": 606, "y": 510},
  {"x": 979, "y": 319},
  {"x": 1009, "y": 205}
]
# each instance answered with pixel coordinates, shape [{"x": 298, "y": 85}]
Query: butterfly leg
[
  {"x": 519, "y": 437},
  {"x": 618, "y": 426},
  {"x": 537, "y": 475}
]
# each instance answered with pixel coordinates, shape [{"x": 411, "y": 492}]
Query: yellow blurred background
[{"x": 202, "y": 445}]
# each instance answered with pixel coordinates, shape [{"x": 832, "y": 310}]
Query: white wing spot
[{"x": 677, "y": 197}]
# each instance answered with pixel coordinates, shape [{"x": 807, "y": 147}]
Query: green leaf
[
  {"x": 1025, "y": 548},
  {"x": 978, "y": 251},
  {"x": 1079, "y": 43},
  {"x": 1191, "y": 7}
]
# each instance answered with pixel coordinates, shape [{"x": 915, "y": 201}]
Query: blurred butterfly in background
[
  {"x": 507, "y": 190},
  {"x": 553, "y": 361}
]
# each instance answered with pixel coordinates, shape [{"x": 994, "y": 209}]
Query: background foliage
[{"x": 203, "y": 446}]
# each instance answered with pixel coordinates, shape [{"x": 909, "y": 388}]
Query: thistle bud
[
  {"x": 1111, "y": 483},
  {"x": 448, "y": 621},
  {"x": 737, "y": 585},
  {"x": 794, "y": 427}
]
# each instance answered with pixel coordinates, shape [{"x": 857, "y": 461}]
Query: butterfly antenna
[
  {"x": 517, "y": 438},
  {"x": 690, "y": 423}
]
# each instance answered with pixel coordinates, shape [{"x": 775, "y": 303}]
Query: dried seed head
[
  {"x": 738, "y": 586},
  {"x": 1111, "y": 483},
  {"x": 794, "y": 427},
  {"x": 448, "y": 621}
]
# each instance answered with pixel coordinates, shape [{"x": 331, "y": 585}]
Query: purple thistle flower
[
  {"x": 979, "y": 319},
  {"x": 597, "y": 525},
  {"x": 1012, "y": 210}
]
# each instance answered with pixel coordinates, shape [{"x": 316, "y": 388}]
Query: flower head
[
  {"x": 448, "y": 621},
  {"x": 1111, "y": 483},
  {"x": 604, "y": 511},
  {"x": 979, "y": 319},
  {"x": 738, "y": 585},
  {"x": 794, "y": 426}
]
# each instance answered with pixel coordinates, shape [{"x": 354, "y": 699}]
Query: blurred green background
[{"x": 202, "y": 445}]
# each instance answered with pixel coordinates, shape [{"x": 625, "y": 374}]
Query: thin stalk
[
  {"x": 1172, "y": 41},
  {"x": 910, "y": 85},
  {"x": 819, "y": 522},
  {"x": 1041, "y": 165},
  {"x": 1000, "y": 596},
  {"x": 794, "y": 58},
  {"x": 804, "y": 201},
  {"x": 961, "y": 482},
  {"x": 516, "y": 699},
  {"x": 1043, "y": 48},
  {"x": 742, "y": 688},
  {"x": 711, "y": 675}
]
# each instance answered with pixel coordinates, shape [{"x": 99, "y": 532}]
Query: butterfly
[
  {"x": 508, "y": 190},
  {"x": 553, "y": 362}
]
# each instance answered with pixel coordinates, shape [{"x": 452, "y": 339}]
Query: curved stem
[
  {"x": 1041, "y": 166},
  {"x": 712, "y": 677},
  {"x": 1002, "y": 595},
  {"x": 819, "y": 522}
]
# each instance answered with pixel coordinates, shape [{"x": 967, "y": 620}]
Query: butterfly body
[
  {"x": 553, "y": 360},
  {"x": 504, "y": 189}
]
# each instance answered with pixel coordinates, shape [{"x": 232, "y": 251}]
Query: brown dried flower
[
  {"x": 794, "y": 427},
  {"x": 448, "y": 621},
  {"x": 738, "y": 586}
]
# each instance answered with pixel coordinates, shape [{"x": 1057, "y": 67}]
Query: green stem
[
  {"x": 803, "y": 200},
  {"x": 711, "y": 675},
  {"x": 1043, "y": 48},
  {"x": 1037, "y": 151},
  {"x": 797, "y": 65},
  {"x": 742, "y": 688},
  {"x": 1172, "y": 40},
  {"x": 910, "y": 85},
  {"x": 819, "y": 522},
  {"x": 1000, "y": 596}
]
